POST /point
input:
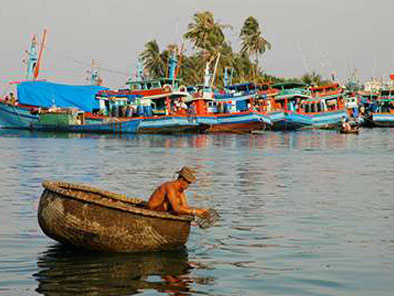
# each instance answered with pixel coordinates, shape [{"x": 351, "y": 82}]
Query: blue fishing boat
[
  {"x": 13, "y": 116},
  {"x": 73, "y": 120},
  {"x": 296, "y": 107},
  {"x": 283, "y": 108},
  {"x": 32, "y": 95},
  {"x": 229, "y": 110},
  {"x": 160, "y": 104},
  {"x": 21, "y": 112},
  {"x": 383, "y": 115}
]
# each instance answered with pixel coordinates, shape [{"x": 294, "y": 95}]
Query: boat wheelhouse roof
[
  {"x": 242, "y": 86},
  {"x": 153, "y": 83},
  {"x": 325, "y": 87},
  {"x": 387, "y": 92},
  {"x": 288, "y": 85}
]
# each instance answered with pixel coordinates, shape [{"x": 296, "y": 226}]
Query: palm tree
[
  {"x": 314, "y": 79},
  {"x": 207, "y": 36},
  {"x": 253, "y": 43},
  {"x": 153, "y": 60},
  {"x": 204, "y": 32}
]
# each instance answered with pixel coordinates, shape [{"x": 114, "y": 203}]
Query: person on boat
[
  {"x": 346, "y": 125},
  {"x": 171, "y": 197},
  {"x": 12, "y": 99}
]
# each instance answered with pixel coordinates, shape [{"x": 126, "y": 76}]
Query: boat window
[
  {"x": 313, "y": 107},
  {"x": 156, "y": 84}
]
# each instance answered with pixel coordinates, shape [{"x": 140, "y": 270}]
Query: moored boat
[
  {"x": 15, "y": 116},
  {"x": 383, "y": 115},
  {"x": 284, "y": 107},
  {"x": 90, "y": 218},
  {"x": 73, "y": 120}
]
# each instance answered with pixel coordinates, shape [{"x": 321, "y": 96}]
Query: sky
[{"x": 324, "y": 36}]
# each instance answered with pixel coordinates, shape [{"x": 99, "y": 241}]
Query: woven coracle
[{"x": 91, "y": 218}]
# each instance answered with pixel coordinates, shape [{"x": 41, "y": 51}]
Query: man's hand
[{"x": 203, "y": 213}]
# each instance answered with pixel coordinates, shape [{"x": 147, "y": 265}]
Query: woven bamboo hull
[
  {"x": 352, "y": 131},
  {"x": 87, "y": 218}
]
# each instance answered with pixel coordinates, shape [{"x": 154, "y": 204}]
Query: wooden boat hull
[
  {"x": 294, "y": 121},
  {"x": 89, "y": 218},
  {"x": 170, "y": 125},
  {"x": 246, "y": 122},
  {"x": 288, "y": 121},
  {"x": 352, "y": 131},
  {"x": 383, "y": 119},
  {"x": 115, "y": 127},
  {"x": 15, "y": 117}
]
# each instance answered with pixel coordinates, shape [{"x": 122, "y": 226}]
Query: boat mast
[
  {"x": 140, "y": 71},
  {"x": 228, "y": 80},
  {"x": 95, "y": 78},
  {"x": 37, "y": 67},
  {"x": 172, "y": 66},
  {"x": 178, "y": 66},
  {"x": 32, "y": 59}
]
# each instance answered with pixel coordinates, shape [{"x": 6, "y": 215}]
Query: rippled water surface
[{"x": 302, "y": 213}]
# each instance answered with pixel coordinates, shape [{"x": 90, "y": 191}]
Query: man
[{"x": 170, "y": 196}]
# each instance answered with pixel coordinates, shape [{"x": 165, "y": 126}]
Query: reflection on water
[
  {"x": 303, "y": 213},
  {"x": 72, "y": 272}
]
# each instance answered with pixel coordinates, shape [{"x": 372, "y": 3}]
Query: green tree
[
  {"x": 153, "y": 60},
  {"x": 314, "y": 79},
  {"x": 208, "y": 38},
  {"x": 253, "y": 43}
]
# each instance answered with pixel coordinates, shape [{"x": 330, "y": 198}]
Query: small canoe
[
  {"x": 87, "y": 217},
  {"x": 352, "y": 131}
]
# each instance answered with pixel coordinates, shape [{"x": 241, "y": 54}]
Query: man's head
[{"x": 186, "y": 176}]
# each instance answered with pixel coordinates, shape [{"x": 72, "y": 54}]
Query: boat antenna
[
  {"x": 215, "y": 69},
  {"x": 31, "y": 58},
  {"x": 172, "y": 66},
  {"x": 38, "y": 65},
  {"x": 180, "y": 54},
  {"x": 228, "y": 78},
  {"x": 303, "y": 57},
  {"x": 140, "y": 70},
  {"x": 95, "y": 78}
]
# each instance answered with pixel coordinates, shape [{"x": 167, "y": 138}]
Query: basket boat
[
  {"x": 87, "y": 217},
  {"x": 352, "y": 131}
]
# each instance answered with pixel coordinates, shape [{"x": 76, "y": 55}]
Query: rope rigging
[{"x": 75, "y": 61}]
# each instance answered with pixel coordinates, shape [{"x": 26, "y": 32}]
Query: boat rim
[{"x": 111, "y": 200}]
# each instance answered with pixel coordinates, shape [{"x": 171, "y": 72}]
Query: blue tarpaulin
[{"x": 48, "y": 94}]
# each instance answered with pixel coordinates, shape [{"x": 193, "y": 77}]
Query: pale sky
[{"x": 306, "y": 35}]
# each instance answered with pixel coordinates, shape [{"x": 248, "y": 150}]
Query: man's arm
[{"x": 180, "y": 205}]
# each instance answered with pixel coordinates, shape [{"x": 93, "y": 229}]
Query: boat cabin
[{"x": 61, "y": 116}]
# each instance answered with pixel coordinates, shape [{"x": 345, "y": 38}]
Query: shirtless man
[{"x": 170, "y": 196}]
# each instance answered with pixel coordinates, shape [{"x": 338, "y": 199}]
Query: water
[{"x": 302, "y": 213}]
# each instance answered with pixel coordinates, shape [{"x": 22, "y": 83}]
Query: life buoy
[{"x": 167, "y": 87}]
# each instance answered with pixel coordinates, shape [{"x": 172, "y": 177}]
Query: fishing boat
[
  {"x": 157, "y": 115},
  {"x": 327, "y": 106},
  {"x": 87, "y": 217},
  {"x": 383, "y": 114},
  {"x": 351, "y": 131},
  {"x": 296, "y": 107},
  {"x": 229, "y": 110},
  {"x": 16, "y": 116},
  {"x": 159, "y": 103},
  {"x": 32, "y": 94},
  {"x": 73, "y": 120},
  {"x": 283, "y": 108}
]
